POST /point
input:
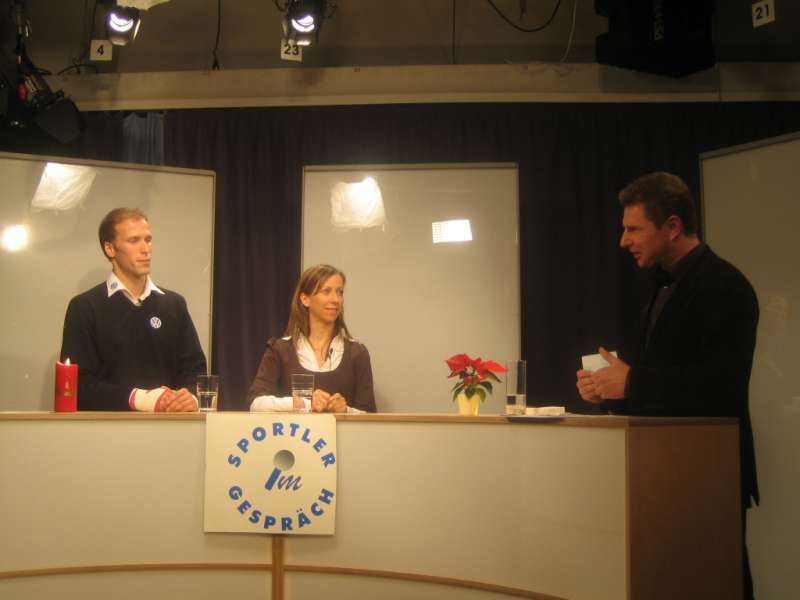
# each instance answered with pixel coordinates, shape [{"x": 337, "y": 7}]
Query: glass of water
[
  {"x": 515, "y": 387},
  {"x": 302, "y": 390},
  {"x": 207, "y": 392}
]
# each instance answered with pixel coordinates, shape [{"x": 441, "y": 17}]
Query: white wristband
[
  {"x": 276, "y": 404},
  {"x": 146, "y": 400}
]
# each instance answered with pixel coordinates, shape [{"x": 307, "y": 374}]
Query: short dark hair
[
  {"x": 662, "y": 195},
  {"x": 108, "y": 232}
]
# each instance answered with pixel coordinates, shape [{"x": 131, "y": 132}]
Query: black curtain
[{"x": 578, "y": 290}]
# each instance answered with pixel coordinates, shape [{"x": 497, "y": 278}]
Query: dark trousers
[{"x": 746, "y": 576}]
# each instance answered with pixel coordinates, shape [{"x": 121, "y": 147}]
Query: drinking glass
[
  {"x": 207, "y": 391},
  {"x": 515, "y": 387},
  {"x": 302, "y": 389}
]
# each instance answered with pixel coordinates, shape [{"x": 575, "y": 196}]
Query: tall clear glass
[
  {"x": 302, "y": 390},
  {"x": 516, "y": 378}
]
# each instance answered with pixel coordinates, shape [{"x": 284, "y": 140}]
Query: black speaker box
[
  {"x": 60, "y": 120},
  {"x": 665, "y": 37}
]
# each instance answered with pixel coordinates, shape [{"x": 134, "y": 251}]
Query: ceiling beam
[{"x": 536, "y": 82}]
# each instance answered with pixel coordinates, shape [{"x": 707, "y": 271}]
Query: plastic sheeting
[
  {"x": 357, "y": 205},
  {"x": 62, "y": 187}
]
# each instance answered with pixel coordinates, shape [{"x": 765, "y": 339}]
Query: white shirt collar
[
  {"x": 308, "y": 360},
  {"x": 114, "y": 285}
]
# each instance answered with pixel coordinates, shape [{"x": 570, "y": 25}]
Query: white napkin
[{"x": 595, "y": 362}]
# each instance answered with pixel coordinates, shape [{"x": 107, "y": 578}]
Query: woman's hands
[{"x": 322, "y": 401}]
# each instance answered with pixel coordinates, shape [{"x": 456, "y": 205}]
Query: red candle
[{"x": 66, "y": 387}]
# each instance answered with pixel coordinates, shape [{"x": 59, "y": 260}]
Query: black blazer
[{"x": 700, "y": 353}]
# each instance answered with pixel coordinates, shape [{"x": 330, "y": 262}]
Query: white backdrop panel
[
  {"x": 64, "y": 258},
  {"x": 751, "y": 216},
  {"x": 415, "y": 303}
]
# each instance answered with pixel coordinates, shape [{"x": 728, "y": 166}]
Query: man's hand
[
  {"x": 177, "y": 401},
  {"x": 586, "y": 389},
  {"x": 609, "y": 383}
]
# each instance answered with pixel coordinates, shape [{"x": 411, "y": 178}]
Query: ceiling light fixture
[
  {"x": 304, "y": 23},
  {"x": 122, "y": 23},
  {"x": 34, "y": 102},
  {"x": 304, "y": 19}
]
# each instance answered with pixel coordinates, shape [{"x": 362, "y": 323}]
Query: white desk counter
[{"x": 99, "y": 505}]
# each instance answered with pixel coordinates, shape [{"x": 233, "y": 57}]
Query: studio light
[
  {"x": 305, "y": 15},
  {"x": 33, "y": 102},
  {"x": 304, "y": 24},
  {"x": 304, "y": 19},
  {"x": 122, "y": 23}
]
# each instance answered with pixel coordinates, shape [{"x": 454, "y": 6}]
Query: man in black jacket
[
  {"x": 135, "y": 343},
  {"x": 699, "y": 329}
]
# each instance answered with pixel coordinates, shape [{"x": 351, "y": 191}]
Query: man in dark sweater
[
  {"x": 136, "y": 345},
  {"x": 698, "y": 332}
]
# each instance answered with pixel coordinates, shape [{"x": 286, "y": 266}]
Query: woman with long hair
[{"x": 316, "y": 342}]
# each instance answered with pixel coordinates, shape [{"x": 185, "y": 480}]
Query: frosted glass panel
[
  {"x": 750, "y": 197},
  {"x": 63, "y": 256},
  {"x": 412, "y": 302}
]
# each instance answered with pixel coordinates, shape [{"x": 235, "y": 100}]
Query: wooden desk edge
[{"x": 570, "y": 420}]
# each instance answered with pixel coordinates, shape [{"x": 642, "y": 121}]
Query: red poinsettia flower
[
  {"x": 485, "y": 367},
  {"x": 473, "y": 374},
  {"x": 458, "y": 363}
]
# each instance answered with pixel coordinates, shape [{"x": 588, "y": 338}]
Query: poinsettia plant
[{"x": 474, "y": 375}]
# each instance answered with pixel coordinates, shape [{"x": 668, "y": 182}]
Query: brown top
[{"x": 352, "y": 378}]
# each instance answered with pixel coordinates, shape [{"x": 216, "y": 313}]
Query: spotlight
[
  {"x": 122, "y": 23},
  {"x": 33, "y": 101},
  {"x": 305, "y": 15},
  {"x": 304, "y": 19}
]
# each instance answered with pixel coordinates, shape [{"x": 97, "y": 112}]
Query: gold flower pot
[{"x": 468, "y": 406}]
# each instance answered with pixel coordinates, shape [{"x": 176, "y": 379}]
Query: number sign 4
[{"x": 100, "y": 50}]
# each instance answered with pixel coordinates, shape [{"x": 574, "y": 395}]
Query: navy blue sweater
[{"x": 119, "y": 346}]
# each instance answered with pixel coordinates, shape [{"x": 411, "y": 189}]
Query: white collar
[
  {"x": 114, "y": 285},
  {"x": 308, "y": 359}
]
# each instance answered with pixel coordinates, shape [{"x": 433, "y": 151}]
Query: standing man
[
  {"x": 135, "y": 343},
  {"x": 698, "y": 332}
]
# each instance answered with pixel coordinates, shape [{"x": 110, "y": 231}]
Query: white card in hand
[{"x": 595, "y": 362}]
